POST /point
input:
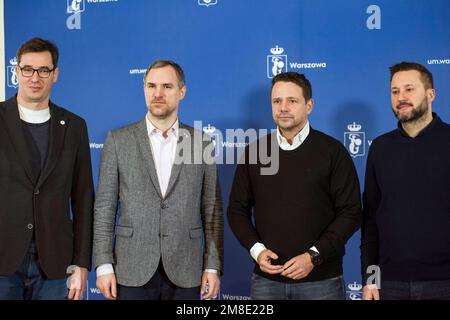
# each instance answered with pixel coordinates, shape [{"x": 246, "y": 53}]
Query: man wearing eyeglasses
[{"x": 45, "y": 172}]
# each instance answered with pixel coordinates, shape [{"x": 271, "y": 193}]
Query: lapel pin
[{"x": 62, "y": 122}]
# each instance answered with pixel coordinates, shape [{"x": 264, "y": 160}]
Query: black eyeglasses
[{"x": 28, "y": 72}]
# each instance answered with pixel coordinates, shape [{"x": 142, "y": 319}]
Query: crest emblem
[
  {"x": 215, "y": 137},
  {"x": 12, "y": 80},
  {"x": 207, "y": 2},
  {"x": 354, "y": 140},
  {"x": 354, "y": 292},
  {"x": 276, "y": 62},
  {"x": 75, "y": 6}
]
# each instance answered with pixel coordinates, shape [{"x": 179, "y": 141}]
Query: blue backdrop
[{"x": 224, "y": 46}]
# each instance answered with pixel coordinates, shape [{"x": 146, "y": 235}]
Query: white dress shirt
[
  {"x": 258, "y": 247},
  {"x": 164, "y": 146},
  {"x": 296, "y": 141}
]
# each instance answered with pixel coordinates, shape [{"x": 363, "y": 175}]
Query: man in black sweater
[
  {"x": 406, "y": 228},
  {"x": 305, "y": 212}
]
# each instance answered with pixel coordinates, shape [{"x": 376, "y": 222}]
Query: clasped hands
[{"x": 296, "y": 268}]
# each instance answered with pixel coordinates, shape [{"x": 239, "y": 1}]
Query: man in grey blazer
[{"x": 162, "y": 176}]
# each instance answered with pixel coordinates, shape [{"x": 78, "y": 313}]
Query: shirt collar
[
  {"x": 152, "y": 130},
  {"x": 296, "y": 141}
]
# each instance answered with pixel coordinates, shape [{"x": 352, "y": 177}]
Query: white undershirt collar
[{"x": 34, "y": 116}]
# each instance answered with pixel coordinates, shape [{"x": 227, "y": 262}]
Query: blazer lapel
[
  {"x": 58, "y": 125},
  {"x": 141, "y": 135},
  {"x": 15, "y": 130},
  {"x": 176, "y": 168}
]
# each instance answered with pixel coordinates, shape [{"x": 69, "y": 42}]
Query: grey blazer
[{"x": 184, "y": 229}]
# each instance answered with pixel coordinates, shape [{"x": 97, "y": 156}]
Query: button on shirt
[{"x": 164, "y": 145}]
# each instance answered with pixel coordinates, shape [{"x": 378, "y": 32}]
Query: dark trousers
[
  {"x": 420, "y": 290},
  {"x": 159, "y": 287}
]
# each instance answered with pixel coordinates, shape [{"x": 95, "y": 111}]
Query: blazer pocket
[
  {"x": 196, "y": 233},
  {"x": 123, "y": 231}
]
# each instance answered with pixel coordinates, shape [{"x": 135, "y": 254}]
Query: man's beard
[
  {"x": 161, "y": 113},
  {"x": 415, "y": 114}
]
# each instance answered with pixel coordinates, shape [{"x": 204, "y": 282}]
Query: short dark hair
[
  {"x": 297, "y": 78},
  {"x": 164, "y": 63},
  {"x": 39, "y": 45},
  {"x": 425, "y": 75}
]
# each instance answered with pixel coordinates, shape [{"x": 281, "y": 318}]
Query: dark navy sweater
[
  {"x": 37, "y": 136},
  {"x": 406, "y": 228}
]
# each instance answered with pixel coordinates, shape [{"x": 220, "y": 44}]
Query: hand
[
  {"x": 77, "y": 284},
  {"x": 265, "y": 262},
  {"x": 371, "y": 292},
  {"x": 107, "y": 285},
  {"x": 213, "y": 281},
  {"x": 298, "y": 267}
]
